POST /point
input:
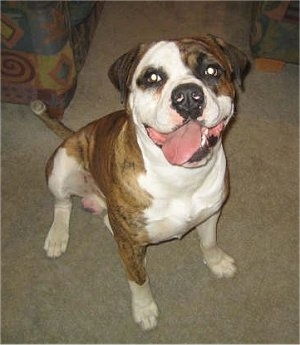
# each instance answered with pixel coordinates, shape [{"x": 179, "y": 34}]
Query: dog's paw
[
  {"x": 221, "y": 264},
  {"x": 145, "y": 316},
  {"x": 144, "y": 308},
  {"x": 56, "y": 242}
]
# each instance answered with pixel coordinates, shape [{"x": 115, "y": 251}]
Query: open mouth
[{"x": 189, "y": 143}]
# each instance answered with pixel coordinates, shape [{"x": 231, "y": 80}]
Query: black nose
[{"x": 188, "y": 100}]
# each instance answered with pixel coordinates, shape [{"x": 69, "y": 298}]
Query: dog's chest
[
  {"x": 172, "y": 219},
  {"x": 178, "y": 206}
]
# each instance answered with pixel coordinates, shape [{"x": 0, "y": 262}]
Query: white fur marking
[
  {"x": 155, "y": 109},
  {"x": 173, "y": 188},
  {"x": 221, "y": 264},
  {"x": 144, "y": 308},
  {"x": 68, "y": 178},
  {"x": 58, "y": 236},
  {"x": 107, "y": 223}
]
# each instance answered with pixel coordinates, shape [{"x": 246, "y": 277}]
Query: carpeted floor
[{"x": 83, "y": 296}]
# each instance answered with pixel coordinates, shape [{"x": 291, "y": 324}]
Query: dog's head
[{"x": 181, "y": 94}]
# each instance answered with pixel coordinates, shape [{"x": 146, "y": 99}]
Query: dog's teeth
[{"x": 203, "y": 140}]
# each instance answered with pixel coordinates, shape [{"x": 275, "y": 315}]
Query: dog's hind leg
[
  {"x": 58, "y": 236},
  {"x": 221, "y": 264},
  {"x": 59, "y": 170}
]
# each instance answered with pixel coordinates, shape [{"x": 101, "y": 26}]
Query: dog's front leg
[
  {"x": 144, "y": 308},
  {"x": 221, "y": 264}
]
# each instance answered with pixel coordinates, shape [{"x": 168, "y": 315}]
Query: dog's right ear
[{"x": 121, "y": 72}]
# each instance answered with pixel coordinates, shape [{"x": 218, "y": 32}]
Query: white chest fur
[{"x": 182, "y": 197}]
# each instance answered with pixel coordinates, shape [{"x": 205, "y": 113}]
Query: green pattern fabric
[
  {"x": 44, "y": 46},
  {"x": 275, "y": 30}
]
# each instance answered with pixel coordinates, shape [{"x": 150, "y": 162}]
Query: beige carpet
[{"x": 83, "y": 296}]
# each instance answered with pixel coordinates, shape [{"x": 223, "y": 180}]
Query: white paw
[
  {"x": 146, "y": 316},
  {"x": 56, "y": 242},
  {"x": 221, "y": 264}
]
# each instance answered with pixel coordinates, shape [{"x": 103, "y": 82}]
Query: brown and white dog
[{"x": 156, "y": 169}]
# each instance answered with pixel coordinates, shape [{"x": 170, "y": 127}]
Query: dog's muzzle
[
  {"x": 192, "y": 141},
  {"x": 188, "y": 100}
]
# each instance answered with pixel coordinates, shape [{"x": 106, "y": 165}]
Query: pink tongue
[{"x": 181, "y": 144}]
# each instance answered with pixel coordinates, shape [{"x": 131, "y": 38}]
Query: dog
[{"x": 156, "y": 169}]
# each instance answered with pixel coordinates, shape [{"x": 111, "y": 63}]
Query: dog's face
[{"x": 181, "y": 94}]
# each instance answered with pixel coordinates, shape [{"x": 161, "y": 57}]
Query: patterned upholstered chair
[
  {"x": 44, "y": 46},
  {"x": 274, "y": 35}
]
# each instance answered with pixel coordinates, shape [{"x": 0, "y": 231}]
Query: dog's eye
[
  {"x": 213, "y": 71},
  {"x": 154, "y": 78}
]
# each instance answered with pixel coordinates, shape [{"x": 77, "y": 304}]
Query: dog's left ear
[
  {"x": 120, "y": 73},
  {"x": 238, "y": 60}
]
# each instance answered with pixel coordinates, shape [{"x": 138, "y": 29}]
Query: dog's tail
[{"x": 39, "y": 108}]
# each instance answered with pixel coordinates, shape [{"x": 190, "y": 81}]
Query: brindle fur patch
[
  {"x": 103, "y": 148},
  {"x": 115, "y": 166},
  {"x": 191, "y": 49},
  {"x": 108, "y": 149}
]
